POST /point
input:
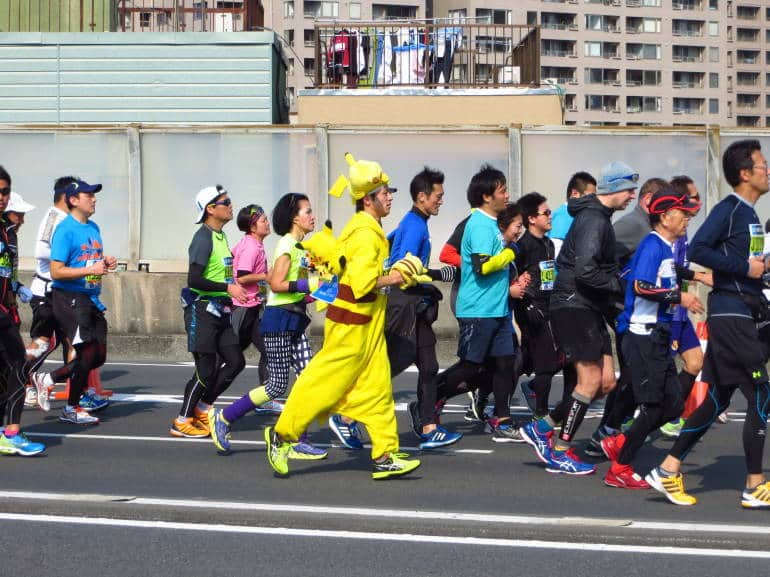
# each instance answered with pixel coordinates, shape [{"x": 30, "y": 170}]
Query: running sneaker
[
  {"x": 478, "y": 405},
  {"x": 673, "y": 428},
  {"x": 30, "y": 397},
  {"x": 594, "y": 447},
  {"x": 189, "y": 428},
  {"x": 43, "y": 392},
  {"x": 506, "y": 433},
  {"x": 91, "y": 402},
  {"x": 529, "y": 395},
  {"x": 395, "y": 465},
  {"x": 220, "y": 430},
  {"x": 414, "y": 416},
  {"x": 439, "y": 437},
  {"x": 304, "y": 450},
  {"x": 756, "y": 498},
  {"x": 78, "y": 416},
  {"x": 723, "y": 418},
  {"x": 612, "y": 445},
  {"x": 672, "y": 486},
  {"x": 277, "y": 452},
  {"x": 271, "y": 407},
  {"x": 627, "y": 424},
  {"x": 19, "y": 444},
  {"x": 624, "y": 477},
  {"x": 541, "y": 442},
  {"x": 202, "y": 419},
  {"x": 347, "y": 433},
  {"x": 567, "y": 462}
]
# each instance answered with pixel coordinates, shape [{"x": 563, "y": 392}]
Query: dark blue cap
[{"x": 78, "y": 186}]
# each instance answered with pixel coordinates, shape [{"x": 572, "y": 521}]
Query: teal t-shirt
[{"x": 481, "y": 296}]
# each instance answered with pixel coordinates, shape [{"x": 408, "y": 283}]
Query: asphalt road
[{"x": 125, "y": 498}]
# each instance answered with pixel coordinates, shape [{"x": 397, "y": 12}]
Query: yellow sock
[{"x": 259, "y": 396}]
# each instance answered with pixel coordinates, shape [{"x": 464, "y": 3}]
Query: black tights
[
  {"x": 541, "y": 386},
  {"x": 12, "y": 375},
  {"x": 716, "y": 402},
  {"x": 88, "y": 356},
  {"x": 214, "y": 372},
  {"x": 650, "y": 417}
]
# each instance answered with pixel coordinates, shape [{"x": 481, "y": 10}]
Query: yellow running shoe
[
  {"x": 202, "y": 420},
  {"x": 188, "y": 428},
  {"x": 395, "y": 465},
  {"x": 756, "y": 498},
  {"x": 277, "y": 452},
  {"x": 672, "y": 487}
]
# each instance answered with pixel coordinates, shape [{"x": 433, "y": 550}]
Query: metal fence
[
  {"x": 152, "y": 173},
  {"x": 433, "y": 53},
  {"x": 189, "y": 15}
]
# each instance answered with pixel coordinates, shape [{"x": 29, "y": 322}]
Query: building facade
[{"x": 646, "y": 62}]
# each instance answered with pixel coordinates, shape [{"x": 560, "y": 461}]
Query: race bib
[
  {"x": 93, "y": 281},
  {"x": 228, "y": 264},
  {"x": 756, "y": 240},
  {"x": 547, "y": 274}
]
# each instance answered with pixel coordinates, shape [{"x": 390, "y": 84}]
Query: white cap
[
  {"x": 17, "y": 204},
  {"x": 204, "y": 197}
]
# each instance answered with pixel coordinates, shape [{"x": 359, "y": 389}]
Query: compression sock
[
  {"x": 245, "y": 404},
  {"x": 576, "y": 411}
]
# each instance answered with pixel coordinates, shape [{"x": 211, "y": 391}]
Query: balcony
[
  {"x": 691, "y": 55},
  {"x": 551, "y": 21},
  {"x": 679, "y": 5},
  {"x": 685, "y": 28},
  {"x": 748, "y": 121},
  {"x": 747, "y": 13},
  {"x": 747, "y": 35},
  {"x": 688, "y": 80},
  {"x": 634, "y": 3},
  {"x": 747, "y": 57},
  {"x": 688, "y": 105}
]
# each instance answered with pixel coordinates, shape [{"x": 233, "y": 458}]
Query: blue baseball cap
[
  {"x": 76, "y": 187},
  {"x": 617, "y": 176}
]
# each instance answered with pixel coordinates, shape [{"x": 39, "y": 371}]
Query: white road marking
[
  {"x": 586, "y": 548},
  {"x": 170, "y": 439}
]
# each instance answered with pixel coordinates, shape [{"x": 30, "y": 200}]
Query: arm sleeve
[
  {"x": 361, "y": 258},
  {"x": 196, "y": 280},
  {"x": 450, "y": 255},
  {"x": 588, "y": 273},
  {"x": 684, "y": 273},
  {"x": 704, "y": 250},
  {"x": 657, "y": 294},
  {"x": 485, "y": 264}
]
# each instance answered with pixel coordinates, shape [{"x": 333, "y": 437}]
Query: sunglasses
[
  {"x": 225, "y": 202},
  {"x": 5, "y": 190},
  {"x": 546, "y": 212},
  {"x": 631, "y": 177}
]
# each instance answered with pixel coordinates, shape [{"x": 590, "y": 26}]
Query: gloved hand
[
  {"x": 25, "y": 295},
  {"x": 409, "y": 267}
]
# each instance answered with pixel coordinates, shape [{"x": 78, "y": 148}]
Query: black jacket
[{"x": 587, "y": 267}]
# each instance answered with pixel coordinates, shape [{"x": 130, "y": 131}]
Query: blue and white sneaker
[
  {"x": 541, "y": 442},
  {"x": 92, "y": 403},
  {"x": 271, "y": 407},
  {"x": 304, "y": 450},
  {"x": 347, "y": 433},
  {"x": 439, "y": 437},
  {"x": 220, "y": 430},
  {"x": 567, "y": 462},
  {"x": 18, "y": 444}
]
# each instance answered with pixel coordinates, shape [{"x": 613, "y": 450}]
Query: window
[
  {"x": 310, "y": 66},
  {"x": 593, "y": 22},
  {"x": 713, "y": 4},
  {"x": 315, "y": 9},
  {"x": 458, "y": 16},
  {"x": 355, "y": 11},
  {"x": 713, "y": 106},
  {"x": 651, "y": 25},
  {"x": 290, "y": 68},
  {"x": 713, "y": 28},
  {"x": 713, "y": 54},
  {"x": 288, "y": 9},
  {"x": 531, "y": 18},
  {"x": 490, "y": 16},
  {"x": 309, "y": 37},
  {"x": 163, "y": 19},
  {"x": 592, "y": 49},
  {"x": 290, "y": 37},
  {"x": 635, "y": 104},
  {"x": 145, "y": 19},
  {"x": 713, "y": 80},
  {"x": 651, "y": 3}
]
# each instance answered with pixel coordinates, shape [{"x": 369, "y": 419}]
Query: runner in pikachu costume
[{"x": 350, "y": 375}]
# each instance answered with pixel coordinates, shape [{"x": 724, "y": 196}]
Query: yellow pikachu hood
[{"x": 364, "y": 177}]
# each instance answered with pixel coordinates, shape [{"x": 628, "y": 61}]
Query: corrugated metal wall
[
  {"x": 159, "y": 78},
  {"x": 57, "y": 15}
]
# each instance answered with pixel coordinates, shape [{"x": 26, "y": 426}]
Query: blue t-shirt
[
  {"x": 78, "y": 245},
  {"x": 561, "y": 221},
  {"x": 412, "y": 236},
  {"x": 653, "y": 262},
  {"x": 481, "y": 296}
]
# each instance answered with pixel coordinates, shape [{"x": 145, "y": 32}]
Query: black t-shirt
[{"x": 532, "y": 252}]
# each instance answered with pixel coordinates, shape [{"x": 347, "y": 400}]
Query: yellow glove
[
  {"x": 485, "y": 264},
  {"x": 422, "y": 279},
  {"x": 409, "y": 266},
  {"x": 324, "y": 250}
]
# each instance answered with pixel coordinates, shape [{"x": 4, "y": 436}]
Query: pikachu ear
[
  {"x": 349, "y": 158},
  {"x": 339, "y": 186}
]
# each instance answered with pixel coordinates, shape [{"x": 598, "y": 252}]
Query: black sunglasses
[
  {"x": 5, "y": 190},
  {"x": 225, "y": 202}
]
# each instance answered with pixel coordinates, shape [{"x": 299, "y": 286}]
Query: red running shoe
[
  {"x": 612, "y": 446},
  {"x": 624, "y": 477}
]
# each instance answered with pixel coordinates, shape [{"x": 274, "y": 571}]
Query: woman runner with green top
[{"x": 283, "y": 324}]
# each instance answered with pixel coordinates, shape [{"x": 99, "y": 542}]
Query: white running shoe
[
  {"x": 30, "y": 397},
  {"x": 41, "y": 391}
]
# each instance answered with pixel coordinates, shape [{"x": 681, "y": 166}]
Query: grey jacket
[{"x": 629, "y": 232}]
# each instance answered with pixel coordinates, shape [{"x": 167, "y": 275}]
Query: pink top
[{"x": 249, "y": 255}]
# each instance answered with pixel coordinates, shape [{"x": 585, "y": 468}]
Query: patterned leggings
[{"x": 284, "y": 350}]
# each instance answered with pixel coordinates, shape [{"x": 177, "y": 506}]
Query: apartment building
[
  {"x": 646, "y": 62},
  {"x": 295, "y": 21}
]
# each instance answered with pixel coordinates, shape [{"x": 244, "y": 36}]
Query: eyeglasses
[
  {"x": 225, "y": 202},
  {"x": 546, "y": 212},
  {"x": 631, "y": 177},
  {"x": 5, "y": 190}
]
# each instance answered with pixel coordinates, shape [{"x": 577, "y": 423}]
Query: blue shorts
[
  {"x": 683, "y": 337},
  {"x": 481, "y": 338}
]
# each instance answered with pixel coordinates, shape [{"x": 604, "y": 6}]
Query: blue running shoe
[
  {"x": 304, "y": 450},
  {"x": 439, "y": 437},
  {"x": 567, "y": 462},
  {"x": 19, "y": 445},
  {"x": 347, "y": 433},
  {"x": 271, "y": 407},
  {"x": 541, "y": 442},
  {"x": 220, "y": 430},
  {"x": 91, "y": 403}
]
